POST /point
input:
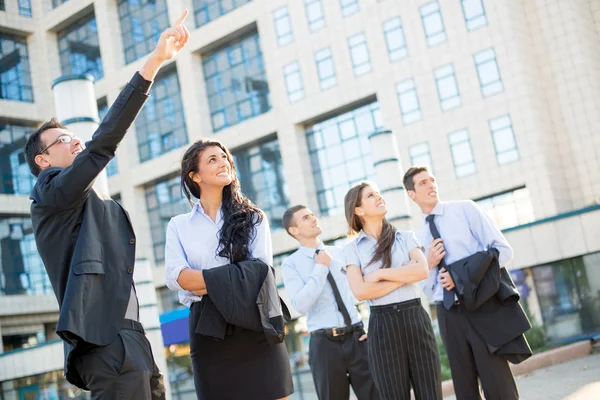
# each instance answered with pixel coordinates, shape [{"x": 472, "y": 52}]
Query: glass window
[
  {"x": 409, "y": 101},
  {"x": 236, "y": 83},
  {"x": 111, "y": 168},
  {"x": 433, "y": 24},
  {"x": 462, "y": 154},
  {"x": 394, "y": 39},
  {"x": 142, "y": 22},
  {"x": 208, "y": 10},
  {"x": 160, "y": 126},
  {"x": 340, "y": 154},
  {"x": 325, "y": 69},
  {"x": 260, "y": 172},
  {"x": 474, "y": 14},
  {"x": 359, "y": 54},
  {"x": 349, "y": 7},
  {"x": 509, "y": 208},
  {"x": 447, "y": 86},
  {"x": 21, "y": 270},
  {"x": 49, "y": 385},
  {"x": 2, "y": 7},
  {"x": 168, "y": 300},
  {"x": 164, "y": 200},
  {"x": 25, "y": 8},
  {"x": 23, "y": 341},
  {"x": 293, "y": 81},
  {"x": 79, "y": 49},
  {"x": 488, "y": 72},
  {"x": 504, "y": 139},
  {"x": 419, "y": 155},
  {"x": 314, "y": 15},
  {"x": 15, "y": 77},
  {"x": 283, "y": 26},
  {"x": 568, "y": 291},
  {"x": 102, "y": 108},
  {"x": 56, "y": 3},
  {"x": 14, "y": 170}
]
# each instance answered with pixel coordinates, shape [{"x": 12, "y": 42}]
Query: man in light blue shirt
[
  {"x": 317, "y": 287},
  {"x": 452, "y": 231}
]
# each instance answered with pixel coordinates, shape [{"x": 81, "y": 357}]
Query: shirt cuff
[
  {"x": 173, "y": 276},
  {"x": 139, "y": 83}
]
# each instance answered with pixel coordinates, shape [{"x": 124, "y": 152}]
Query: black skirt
[{"x": 242, "y": 366}]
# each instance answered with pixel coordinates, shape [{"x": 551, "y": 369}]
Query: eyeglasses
[{"x": 61, "y": 138}]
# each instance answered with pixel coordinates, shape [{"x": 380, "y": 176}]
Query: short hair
[
  {"x": 34, "y": 144},
  {"x": 408, "y": 181},
  {"x": 288, "y": 216}
]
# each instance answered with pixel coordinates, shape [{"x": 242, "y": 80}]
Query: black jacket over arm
[
  {"x": 492, "y": 302},
  {"x": 243, "y": 294},
  {"x": 87, "y": 244}
]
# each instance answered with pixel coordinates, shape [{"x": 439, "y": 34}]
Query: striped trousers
[{"x": 403, "y": 353}]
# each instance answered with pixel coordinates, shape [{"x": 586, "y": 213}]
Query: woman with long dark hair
[
  {"x": 383, "y": 266},
  {"x": 224, "y": 227}
]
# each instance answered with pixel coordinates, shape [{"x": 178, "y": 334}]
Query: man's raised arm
[{"x": 71, "y": 185}]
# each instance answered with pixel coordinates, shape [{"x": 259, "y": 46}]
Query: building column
[
  {"x": 146, "y": 293},
  {"x": 76, "y": 108},
  {"x": 389, "y": 173}
]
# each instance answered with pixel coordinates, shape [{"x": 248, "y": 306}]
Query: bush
[{"x": 536, "y": 336}]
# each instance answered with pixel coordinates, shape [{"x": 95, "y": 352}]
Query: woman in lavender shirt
[
  {"x": 383, "y": 266},
  {"x": 223, "y": 227}
]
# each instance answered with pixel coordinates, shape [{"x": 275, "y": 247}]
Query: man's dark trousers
[
  {"x": 124, "y": 369},
  {"x": 470, "y": 358},
  {"x": 336, "y": 362}
]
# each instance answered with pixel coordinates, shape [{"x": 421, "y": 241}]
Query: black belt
[
  {"x": 132, "y": 325},
  {"x": 441, "y": 303},
  {"x": 395, "y": 307},
  {"x": 337, "y": 332}
]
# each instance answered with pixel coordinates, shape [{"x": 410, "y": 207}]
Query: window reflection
[
  {"x": 260, "y": 172},
  {"x": 340, "y": 154},
  {"x": 160, "y": 126},
  {"x": 510, "y": 208},
  {"x": 15, "y": 75},
  {"x": 163, "y": 201},
  {"x": 21, "y": 268},
  {"x": 236, "y": 82},
  {"x": 79, "y": 49}
]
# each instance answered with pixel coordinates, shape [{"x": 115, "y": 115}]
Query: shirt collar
[
  {"x": 309, "y": 251},
  {"x": 362, "y": 235},
  {"x": 197, "y": 209},
  {"x": 437, "y": 210}
]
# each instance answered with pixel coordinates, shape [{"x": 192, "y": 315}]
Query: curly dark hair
[{"x": 240, "y": 215}]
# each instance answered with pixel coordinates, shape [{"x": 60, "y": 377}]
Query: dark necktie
[
  {"x": 448, "y": 295},
  {"x": 338, "y": 300}
]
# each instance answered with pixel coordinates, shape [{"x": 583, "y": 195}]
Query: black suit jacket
[
  {"x": 87, "y": 244},
  {"x": 492, "y": 301},
  {"x": 243, "y": 294}
]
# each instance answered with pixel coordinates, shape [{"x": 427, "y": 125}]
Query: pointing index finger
[{"x": 182, "y": 18}]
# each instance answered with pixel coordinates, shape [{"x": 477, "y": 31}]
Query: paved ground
[{"x": 574, "y": 380}]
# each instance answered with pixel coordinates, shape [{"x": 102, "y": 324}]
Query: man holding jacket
[
  {"x": 454, "y": 231},
  {"x": 87, "y": 244}
]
